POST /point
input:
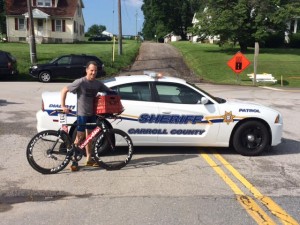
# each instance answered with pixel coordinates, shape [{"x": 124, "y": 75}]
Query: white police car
[{"x": 168, "y": 111}]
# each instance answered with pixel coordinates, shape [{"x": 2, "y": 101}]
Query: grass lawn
[
  {"x": 47, "y": 52},
  {"x": 210, "y": 63}
]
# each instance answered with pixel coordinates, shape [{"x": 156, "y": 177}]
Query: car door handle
[{"x": 166, "y": 112}]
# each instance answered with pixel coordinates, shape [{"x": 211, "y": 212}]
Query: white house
[
  {"x": 198, "y": 38},
  {"x": 171, "y": 37},
  {"x": 55, "y": 21},
  {"x": 107, "y": 33},
  {"x": 293, "y": 27}
]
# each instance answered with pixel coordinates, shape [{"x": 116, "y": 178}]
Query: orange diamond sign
[{"x": 238, "y": 62}]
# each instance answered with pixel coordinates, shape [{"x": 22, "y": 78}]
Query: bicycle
[{"x": 50, "y": 151}]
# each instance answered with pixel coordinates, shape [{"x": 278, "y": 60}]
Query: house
[
  {"x": 55, "y": 21},
  {"x": 171, "y": 37},
  {"x": 203, "y": 38},
  {"x": 107, "y": 33},
  {"x": 292, "y": 27}
]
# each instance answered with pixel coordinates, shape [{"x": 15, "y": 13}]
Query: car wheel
[
  {"x": 45, "y": 76},
  {"x": 251, "y": 138}
]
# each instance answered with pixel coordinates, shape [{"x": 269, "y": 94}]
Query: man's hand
[{"x": 65, "y": 109}]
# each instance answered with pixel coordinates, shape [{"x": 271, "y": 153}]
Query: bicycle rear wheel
[
  {"x": 47, "y": 152},
  {"x": 117, "y": 152}
]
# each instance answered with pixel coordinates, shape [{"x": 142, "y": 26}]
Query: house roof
[
  {"x": 65, "y": 8},
  {"x": 36, "y": 13}
]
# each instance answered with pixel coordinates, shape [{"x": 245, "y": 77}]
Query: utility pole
[
  {"x": 120, "y": 28},
  {"x": 136, "y": 18},
  {"x": 31, "y": 35}
]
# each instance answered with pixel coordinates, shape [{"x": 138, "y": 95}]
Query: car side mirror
[{"x": 204, "y": 101}]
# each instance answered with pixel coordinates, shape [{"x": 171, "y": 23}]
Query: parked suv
[
  {"x": 66, "y": 66},
  {"x": 8, "y": 64},
  {"x": 101, "y": 37}
]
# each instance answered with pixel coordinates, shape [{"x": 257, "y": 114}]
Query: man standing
[{"x": 86, "y": 89}]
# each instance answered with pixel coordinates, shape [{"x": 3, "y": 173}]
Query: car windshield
[
  {"x": 217, "y": 99},
  {"x": 53, "y": 60},
  {"x": 11, "y": 57},
  {"x": 109, "y": 80}
]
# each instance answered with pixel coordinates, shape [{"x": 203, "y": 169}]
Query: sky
[{"x": 105, "y": 12}]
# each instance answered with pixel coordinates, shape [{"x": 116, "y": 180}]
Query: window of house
[
  {"x": 292, "y": 28},
  {"x": 75, "y": 27},
  {"x": 78, "y": 11},
  {"x": 44, "y": 3},
  {"x": 21, "y": 24},
  {"x": 58, "y": 25}
]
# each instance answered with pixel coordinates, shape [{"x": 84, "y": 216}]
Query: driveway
[{"x": 161, "y": 57}]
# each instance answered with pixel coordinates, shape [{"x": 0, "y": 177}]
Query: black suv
[
  {"x": 66, "y": 67},
  {"x": 8, "y": 64},
  {"x": 101, "y": 37}
]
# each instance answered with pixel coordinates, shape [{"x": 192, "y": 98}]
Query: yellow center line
[
  {"x": 252, "y": 208},
  {"x": 274, "y": 208}
]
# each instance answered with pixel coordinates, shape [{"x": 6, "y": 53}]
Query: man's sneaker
[
  {"x": 91, "y": 163},
  {"x": 74, "y": 166}
]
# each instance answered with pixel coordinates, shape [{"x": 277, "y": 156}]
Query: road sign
[{"x": 238, "y": 62}]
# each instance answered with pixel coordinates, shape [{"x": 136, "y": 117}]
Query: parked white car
[{"x": 168, "y": 111}]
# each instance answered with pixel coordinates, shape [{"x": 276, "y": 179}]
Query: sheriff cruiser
[{"x": 168, "y": 111}]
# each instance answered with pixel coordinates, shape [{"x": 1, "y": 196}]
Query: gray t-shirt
[{"x": 86, "y": 91}]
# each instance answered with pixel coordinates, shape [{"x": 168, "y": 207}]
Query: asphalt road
[{"x": 161, "y": 185}]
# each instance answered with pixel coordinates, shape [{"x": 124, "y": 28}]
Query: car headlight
[
  {"x": 277, "y": 119},
  {"x": 34, "y": 67}
]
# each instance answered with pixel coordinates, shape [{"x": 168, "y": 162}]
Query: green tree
[
  {"x": 96, "y": 30},
  {"x": 245, "y": 21},
  {"x": 2, "y": 17},
  {"x": 164, "y": 16}
]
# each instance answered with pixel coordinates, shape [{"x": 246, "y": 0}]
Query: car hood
[{"x": 244, "y": 108}]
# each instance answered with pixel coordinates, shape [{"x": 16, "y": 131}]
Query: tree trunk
[{"x": 243, "y": 46}]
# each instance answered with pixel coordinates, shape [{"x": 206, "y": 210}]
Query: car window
[
  {"x": 134, "y": 91},
  {"x": 12, "y": 58},
  {"x": 3, "y": 57},
  {"x": 64, "y": 60},
  {"x": 177, "y": 93},
  {"x": 78, "y": 60}
]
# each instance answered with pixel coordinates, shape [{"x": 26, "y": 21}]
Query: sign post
[
  {"x": 256, "y": 51},
  {"x": 238, "y": 63}
]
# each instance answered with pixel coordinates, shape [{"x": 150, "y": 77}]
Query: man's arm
[{"x": 63, "y": 95}]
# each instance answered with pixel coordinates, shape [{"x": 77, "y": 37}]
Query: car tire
[
  {"x": 251, "y": 138},
  {"x": 45, "y": 76}
]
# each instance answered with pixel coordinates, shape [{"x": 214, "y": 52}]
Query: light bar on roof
[{"x": 153, "y": 74}]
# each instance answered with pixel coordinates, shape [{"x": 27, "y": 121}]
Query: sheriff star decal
[{"x": 228, "y": 117}]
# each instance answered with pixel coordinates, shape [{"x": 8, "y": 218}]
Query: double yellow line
[{"x": 253, "y": 209}]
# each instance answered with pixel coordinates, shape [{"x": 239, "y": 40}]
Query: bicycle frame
[{"x": 88, "y": 139}]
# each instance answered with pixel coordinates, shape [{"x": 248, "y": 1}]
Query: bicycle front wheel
[
  {"x": 113, "y": 149},
  {"x": 47, "y": 152}
]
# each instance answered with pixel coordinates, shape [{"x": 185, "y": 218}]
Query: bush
[
  {"x": 274, "y": 40},
  {"x": 295, "y": 40}
]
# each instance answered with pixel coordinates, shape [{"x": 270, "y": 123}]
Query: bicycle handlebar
[
  {"x": 106, "y": 115},
  {"x": 61, "y": 111}
]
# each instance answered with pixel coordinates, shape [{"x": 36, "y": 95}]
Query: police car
[{"x": 168, "y": 111}]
